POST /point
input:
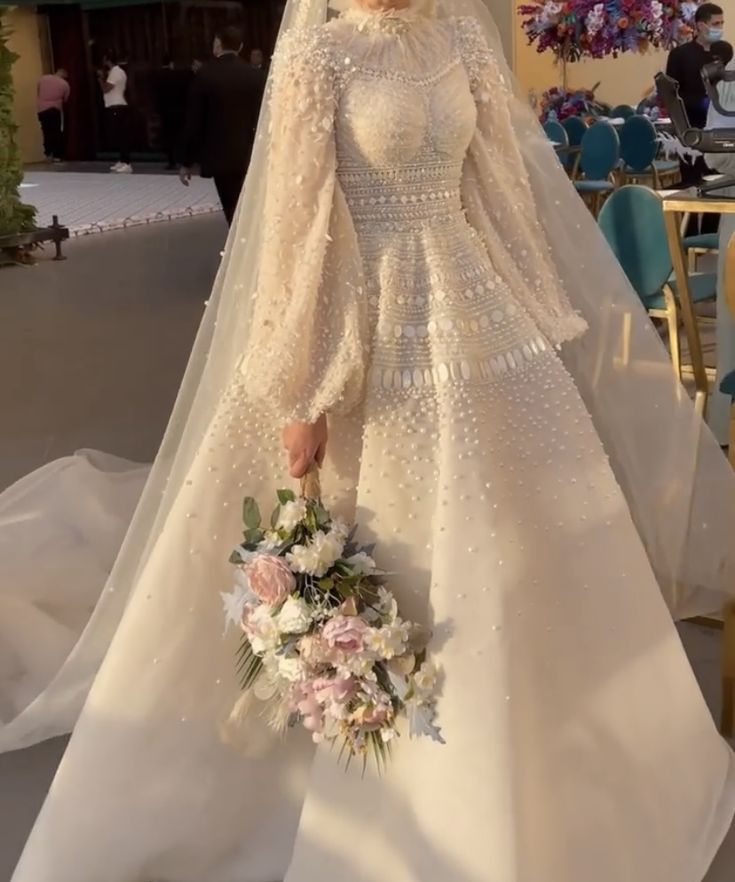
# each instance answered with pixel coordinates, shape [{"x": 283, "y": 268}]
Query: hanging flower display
[{"x": 589, "y": 29}]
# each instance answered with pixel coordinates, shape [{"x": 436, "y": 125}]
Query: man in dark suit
[{"x": 221, "y": 119}]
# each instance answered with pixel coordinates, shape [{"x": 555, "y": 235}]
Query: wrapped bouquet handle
[{"x": 311, "y": 487}]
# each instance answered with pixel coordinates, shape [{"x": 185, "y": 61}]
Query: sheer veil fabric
[{"x": 148, "y": 757}]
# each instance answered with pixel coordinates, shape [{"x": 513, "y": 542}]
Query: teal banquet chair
[
  {"x": 556, "y": 133},
  {"x": 639, "y": 150},
  {"x": 576, "y": 128},
  {"x": 598, "y": 163},
  {"x": 622, "y": 111},
  {"x": 632, "y": 221}
]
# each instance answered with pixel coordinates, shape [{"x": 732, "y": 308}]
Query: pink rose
[
  {"x": 270, "y": 578},
  {"x": 346, "y": 633},
  {"x": 337, "y": 689}
]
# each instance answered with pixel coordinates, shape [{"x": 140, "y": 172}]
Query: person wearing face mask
[
  {"x": 686, "y": 62},
  {"x": 685, "y": 65}
]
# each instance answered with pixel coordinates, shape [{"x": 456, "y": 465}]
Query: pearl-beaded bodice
[{"x": 384, "y": 258}]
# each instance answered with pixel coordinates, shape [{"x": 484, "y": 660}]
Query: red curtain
[{"x": 70, "y": 52}]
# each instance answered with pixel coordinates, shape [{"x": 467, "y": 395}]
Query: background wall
[{"x": 25, "y": 41}]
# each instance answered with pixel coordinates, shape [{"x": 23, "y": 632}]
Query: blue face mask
[{"x": 714, "y": 34}]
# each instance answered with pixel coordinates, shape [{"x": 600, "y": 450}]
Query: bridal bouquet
[{"x": 324, "y": 644}]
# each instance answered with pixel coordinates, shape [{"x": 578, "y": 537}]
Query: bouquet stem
[{"x": 310, "y": 484}]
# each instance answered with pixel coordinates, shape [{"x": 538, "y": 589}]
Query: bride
[{"x": 407, "y": 261}]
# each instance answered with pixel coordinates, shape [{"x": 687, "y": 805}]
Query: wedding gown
[{"x": 578, "y": 746}]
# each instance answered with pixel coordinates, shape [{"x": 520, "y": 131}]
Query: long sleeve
[
  {"x": 498, "y": 198},
  {"x": 672, "y": 65},
  {"x": 306, "y": 348}
]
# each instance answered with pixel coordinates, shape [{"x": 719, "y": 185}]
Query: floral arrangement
[
  {"x": 559, "y": 103},
  {"x": 324, "y": 644},
  {"x": 589, "y": 29}
]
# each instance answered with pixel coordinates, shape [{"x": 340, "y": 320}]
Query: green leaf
[
  {"x": 250, "y": 512},
  {"x": 274, "y": 517},
  {"x": 254, "y": 536},
  {"x": 285, "y": 496},
  {"x": 322, "y": 515},
  {"x": 326, "y": 584}
]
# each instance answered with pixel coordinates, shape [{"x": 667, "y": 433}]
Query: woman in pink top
[{"x": 53, "y": 93}]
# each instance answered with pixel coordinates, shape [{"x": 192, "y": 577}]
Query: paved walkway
[
  {"x": 93, "y": 202},
  {"x": 92, "y": 349}
]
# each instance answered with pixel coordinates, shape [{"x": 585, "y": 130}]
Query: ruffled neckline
[{"x": 389, "y": 21}]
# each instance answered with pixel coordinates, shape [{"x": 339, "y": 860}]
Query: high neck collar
[{"x": 393, "y": 21}]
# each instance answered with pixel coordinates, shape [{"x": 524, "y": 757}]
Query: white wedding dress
[{"x": 391, "y": 295}]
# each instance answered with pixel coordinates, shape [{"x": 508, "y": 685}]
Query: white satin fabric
[
  {"x": 61, "y": 528},
  {"x": 578, "y": 744}
]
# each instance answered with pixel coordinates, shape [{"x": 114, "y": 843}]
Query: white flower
[
  {"x": 318, "y": 556},
  {"x": 262, "y": 630},
  {"x": 332, "y": 545},
  {"x": 294, "y": 616},
  {"x": 303, "y": 559},
  {"x": 390, "y": 640},
  {"x": 362, "y": 563},
  {"x": 402, "y": 665},
  {"x": 291, "y": 515},
  {"x": 291, "y": 668},
  {"x": 271, "y": 540},
  {"x": 387, "y": 603},
  {"x": 340, "y": 528},
  {"x": 359, "y": 665},
  {"x": 424, "y": 681}
]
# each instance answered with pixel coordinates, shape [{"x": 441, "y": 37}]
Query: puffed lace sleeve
[
  {"x": 498, "y": 199},
  {"x": 306, "y": 348}
]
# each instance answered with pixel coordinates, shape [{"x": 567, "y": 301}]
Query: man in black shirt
[
  {"x": 685, "y": 66},
  {"x": 686, "y": 62}
]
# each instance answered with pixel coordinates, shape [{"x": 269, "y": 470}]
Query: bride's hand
[{"x": 305, "y": 443}]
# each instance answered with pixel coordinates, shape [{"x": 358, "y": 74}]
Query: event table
[{"x": 676, "y": 205}]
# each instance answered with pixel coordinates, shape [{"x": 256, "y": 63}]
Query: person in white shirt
[{"x": 113, "y": 82}]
